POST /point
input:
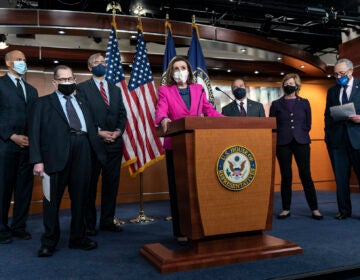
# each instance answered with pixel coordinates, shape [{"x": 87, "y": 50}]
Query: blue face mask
[
  {"x": 343, "y": 81},
  {"x": 20, "y": 67},
  {"x": 99, "y": 70}
]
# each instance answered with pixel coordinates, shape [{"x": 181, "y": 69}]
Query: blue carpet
[{"x": 327, "y": 244}]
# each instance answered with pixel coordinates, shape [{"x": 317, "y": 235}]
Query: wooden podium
[{"x": 223, "y": 218}]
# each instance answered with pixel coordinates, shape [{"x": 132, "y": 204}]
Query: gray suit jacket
[{"x": 254, "y": 109}]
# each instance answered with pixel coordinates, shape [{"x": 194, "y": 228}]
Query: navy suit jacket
[
  {"x": 294, "y": 124},
  {"x": 49, "y": 134},
  {"x": 14, "y": 111},
  {"x": 335, "y": 130},
  {"x": 105, "y": 119},
  {"x": 254, "y": 109}
]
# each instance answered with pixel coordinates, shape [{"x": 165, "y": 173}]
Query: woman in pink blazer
[{"x": 179, "y": 98}]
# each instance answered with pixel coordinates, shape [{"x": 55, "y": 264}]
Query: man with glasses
[
  {"x": 107, "y": 107},
  {"x": 62, "y": 133},
  {"x": 343, "y": 136},
  {"x": 16, "y": 97}
]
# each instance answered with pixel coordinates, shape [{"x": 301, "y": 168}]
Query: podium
[{"x": 224, "y": 169}]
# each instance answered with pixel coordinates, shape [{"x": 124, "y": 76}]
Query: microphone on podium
[{"x": 218, "y": 89}]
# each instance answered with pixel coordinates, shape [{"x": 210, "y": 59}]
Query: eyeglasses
[
  {"x": 97, "y": 62},
  {"x": 340, "y": 74},
  {"x": 65, "y": 80}
]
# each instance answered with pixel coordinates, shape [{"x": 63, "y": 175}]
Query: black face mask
[
  {"x": 289, "y": 89},
  {"x": 239, "y": 93},
  {"x": 67, "y": 89}
]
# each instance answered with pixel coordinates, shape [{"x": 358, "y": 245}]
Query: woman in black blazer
[{"x": 293, "y": 119}]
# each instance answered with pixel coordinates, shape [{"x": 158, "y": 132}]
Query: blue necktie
[
  {"x": 74, "y": 120},
  {"x": 344, "y": 98}
]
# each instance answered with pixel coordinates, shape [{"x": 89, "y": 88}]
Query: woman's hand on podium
[{"x": 164, "y": 124}]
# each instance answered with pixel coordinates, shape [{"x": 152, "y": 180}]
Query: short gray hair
[{"x": 348, "y": 62}]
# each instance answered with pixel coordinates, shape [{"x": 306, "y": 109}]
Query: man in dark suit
[
  {"x": 242, "y": 106},
  {"x": 107, "y": 107},
  {"x": 62, "y": 133},
  {"x": 343, "y": 136},
  {"x": 16, "y": 97}
]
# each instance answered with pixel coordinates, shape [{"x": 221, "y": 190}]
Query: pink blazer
[{"x": 172, "y": 106}]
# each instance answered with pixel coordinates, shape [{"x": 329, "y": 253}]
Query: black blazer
[
  {"x": 14, "y": 111},
  {"x": 105, "y": 119},
  {"x": 292, "y": 124},
  {"x": 254, "y": 109},
  {"x": 49, "y": 134},
  {"x": 335, "y": 130}
]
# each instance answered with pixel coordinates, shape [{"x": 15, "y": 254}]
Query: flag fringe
[{"x": 146, "y": 165}]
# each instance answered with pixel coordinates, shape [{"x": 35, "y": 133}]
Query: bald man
[{"x": 16, "y": 177}]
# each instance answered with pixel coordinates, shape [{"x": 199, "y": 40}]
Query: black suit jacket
[
  {"x": 335, "y": 130},
  {"x": 254, "y": 109},
  {"x": 105, "y": 119},
  {"x": 49, "y": 134},
  {"x": 14, "y": 111}
]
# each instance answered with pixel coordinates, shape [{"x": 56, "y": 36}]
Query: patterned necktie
[
  {"x": 242, "y": 110},
  {"x": 103, "y": 94},
  {"x": 74, "y": 120},
  {"x": 344, "y": 98},
  {"x": 20, "y": 89}
]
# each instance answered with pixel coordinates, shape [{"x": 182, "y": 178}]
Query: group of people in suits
[
  {"x": 76, "y": 131},
  {"x": 63, "y": 137}
]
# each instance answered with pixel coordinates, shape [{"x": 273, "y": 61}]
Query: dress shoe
[
  {"x": 341, "y": 216},
  {"x": 83, "y": 244},
  {"x": 283, "y": 216},
  {"x": 317, "y": 217},
  {"x": 46, "y": 251},
  {"x": 22, "y": 234},
  {"x": 91, "y": 232},
  {"x": 111, "y": 227},
  {"x": 5, "y": 239}
]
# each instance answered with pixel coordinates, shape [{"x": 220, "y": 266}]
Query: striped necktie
[{"x": 103, "y": 94}]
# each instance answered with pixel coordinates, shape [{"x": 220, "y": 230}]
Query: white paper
[
  {"x": 46, "y": 186},
  {"x": 342, "y": 112}
]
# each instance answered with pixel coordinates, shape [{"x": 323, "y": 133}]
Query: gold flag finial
[{"x": 113, "y": 6}]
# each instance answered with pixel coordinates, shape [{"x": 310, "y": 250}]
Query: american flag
[
  {"x": 143, "y": 99},
  {"x": 115, "y": 75}
]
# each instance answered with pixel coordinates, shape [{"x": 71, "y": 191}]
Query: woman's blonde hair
[{"x": 296, "y": 78}]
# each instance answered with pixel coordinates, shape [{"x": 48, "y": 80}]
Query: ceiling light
[
  {"x": 229, "y": 70},
  {"x": 282, "y": 73},
  {"x": 279, "y": 58},
  {"x": 3, "y": 44},
  {"x": 302, "y": 66},
  {"x": 56, "y": 61},
  {"x": 329, "y": 75},
  {"x": 256, "y": 72},
  {"x": 61, "y": 32},
  {"x": 243, "y": 50}
]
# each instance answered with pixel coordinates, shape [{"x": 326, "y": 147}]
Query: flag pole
[
  {"x": 141, "y": 218},
  {"x": 114, "y": 6}
]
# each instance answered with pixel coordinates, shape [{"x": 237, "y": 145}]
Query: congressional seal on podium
[{"x": 236, "y": 168}]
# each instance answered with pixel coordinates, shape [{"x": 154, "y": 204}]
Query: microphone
[{"x": 218, "y": 89}]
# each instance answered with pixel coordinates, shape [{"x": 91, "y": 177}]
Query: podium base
[{"x": 222, "y": 251}]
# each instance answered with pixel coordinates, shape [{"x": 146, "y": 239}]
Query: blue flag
[
  {"x": 197, "y": 61},
  {"x": 170, "y": 51}
]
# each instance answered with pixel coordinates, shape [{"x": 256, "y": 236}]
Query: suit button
[
  {"x": 292, "y": 127},
  {"x": 291, "y": 120},
  {"x": 291, "y": 114}
]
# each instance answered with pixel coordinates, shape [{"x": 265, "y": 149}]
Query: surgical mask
[
  {"x": 20, "y": 67},
  {"x": 67, "y": 88},
  {"x": 239, "y": 93},
  {"x": 289, "y": 89},
  {"x": 99, "y": 70},
  {"x": 181, "y": 76},
  {"x": 343, "y": 81}
]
